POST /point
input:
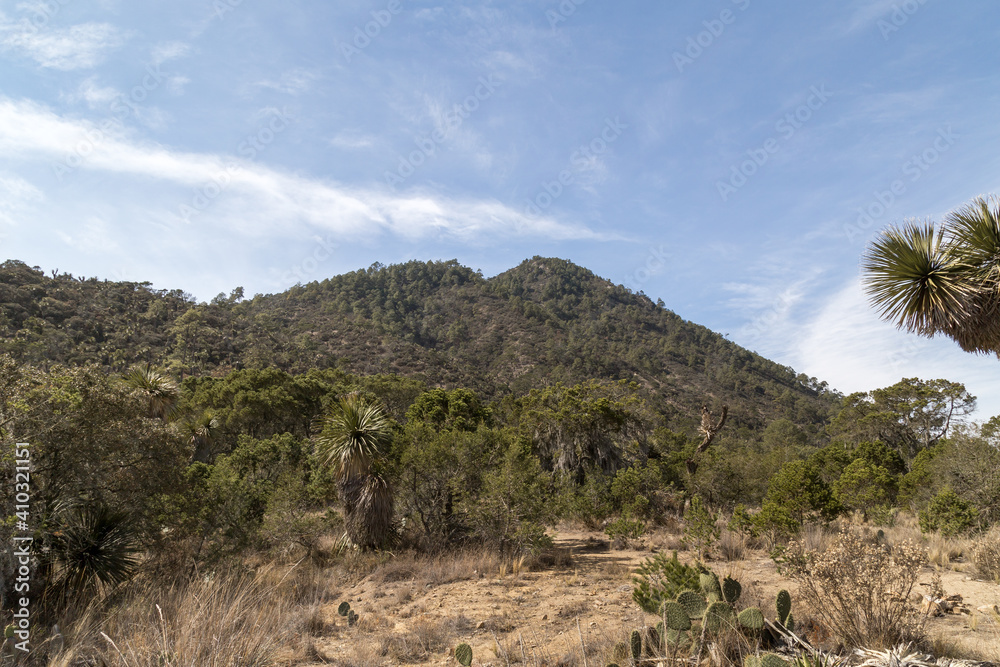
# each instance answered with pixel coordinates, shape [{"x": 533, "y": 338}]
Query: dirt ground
[{"x": 546, "y": 617}]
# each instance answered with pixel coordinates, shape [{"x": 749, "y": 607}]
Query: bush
[
  {"x": 866, "y": 487},
  {"x": 659, "y": 579},
  {"x": 986, "y": 554},
  {"x": 949, "y": 514},
  {"x": 700, "y": 531},
  {"x": 860, "y": 589}
]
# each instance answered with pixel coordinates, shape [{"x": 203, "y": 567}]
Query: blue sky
[{"x": 730, "y": 157}]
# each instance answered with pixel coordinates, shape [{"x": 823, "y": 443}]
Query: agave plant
[
  {"x": 351, "y": 439},
  {"x": 930, "y": 281}
]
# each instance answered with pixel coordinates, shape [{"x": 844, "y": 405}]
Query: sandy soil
[{"x": 545, "y": 617}]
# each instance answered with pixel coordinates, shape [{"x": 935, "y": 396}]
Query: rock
[
  {"x": 480, "y": 625},
  {"x": 930, "y": 607}
]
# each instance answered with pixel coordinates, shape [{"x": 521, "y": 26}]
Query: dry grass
[
  {"x": 733, "y": 545},
  {"x": 221, "y": 621},
  {"x": 986, "y": 555}
]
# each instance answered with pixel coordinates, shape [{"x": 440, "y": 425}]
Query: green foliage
[
  {"x": 463, "y": 653},
  {"x": 459, "y": 409},
  {"x": 709, "y": 583},
  {"x": 659, "y": 579},
  {"x": 625, "y": 529},
  {"x": 799, "y": 490},
  {"x": 765, "y": 660},
  {"x": 514, "y": 507},
  {"x": 95, "y": 547},
  {"x": 700, "y": 531},
  {"x": 635, "y": 645},
  {"x": 949, "y": 514},
  {"x": 865, "y": 487}
]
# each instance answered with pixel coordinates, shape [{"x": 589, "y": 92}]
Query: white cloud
[
  {"x": 352, "y": 140},
  {"x": 16, "y": 197},
  {"x": 165, "y": 51},
  {"x": 258, "y": 201},
  {"x": 80, "y": 46},
  {"x": 93, "y": 94},
  {"x": 292, "y": 82},
  {"x": 848, "y": 346}
]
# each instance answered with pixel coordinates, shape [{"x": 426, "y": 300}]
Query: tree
[
  {"x": 941, "y": 281},
  {"x": 352, "y": 438}
]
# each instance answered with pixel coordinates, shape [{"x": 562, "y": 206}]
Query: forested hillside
[{"x": 543, "y": 322}]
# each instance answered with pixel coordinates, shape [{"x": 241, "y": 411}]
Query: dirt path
[{"x": 546, "y": 617}]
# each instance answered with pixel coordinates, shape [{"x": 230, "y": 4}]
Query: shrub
[
  {"x": 986, "y": 554},
  {"x": 659, "y": 579},
  {"x": 949, "y": 514},
  {"x": 865, "y": 487},
  {"x": 700, "y": 531},
  {"x": 860, "y": 589}
]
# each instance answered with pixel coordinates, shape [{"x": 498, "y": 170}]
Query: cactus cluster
[
  {"x": 765, "y": 660},
  {"x": 345, "y": 610}
]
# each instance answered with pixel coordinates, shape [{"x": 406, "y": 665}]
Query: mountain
[{"x": 544, "y": 321}]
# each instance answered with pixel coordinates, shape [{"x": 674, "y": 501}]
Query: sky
[{"x": 731, "y": 157}]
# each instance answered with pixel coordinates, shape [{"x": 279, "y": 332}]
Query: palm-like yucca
[
  {"x": 351, "y": 439},
  {"x": 97, "y": 548},
  {"x": 945, "y": 281},
  {"x": 200, "y": 432},
  {"x": 161, "y": 392}
]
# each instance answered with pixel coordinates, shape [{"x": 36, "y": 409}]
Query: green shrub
[
  {"x": 659, "y": 579},
  {"x": 949, "y": 514},
  {"x": 700, "y": 531}
]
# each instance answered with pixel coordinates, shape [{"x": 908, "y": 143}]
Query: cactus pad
[
  {"x": 772, "y": 660},
  {"x": 463, "y": 653},
  {"x": 731, "y": 590},
  {"x": 635, "y": 644},
  {"x": 784, "y": 605},
  {"x": 718, "y": 615},
  {"x": 620, "y": 652},
  {"x": 676, "y": 616},
  {"x": 693, "y": 603},
  {"x": 751, "y": 618},
  {"x": 344, "y": 608},
  {"x": 709, "y": 582},
  {"x": 790, "y": 622}
]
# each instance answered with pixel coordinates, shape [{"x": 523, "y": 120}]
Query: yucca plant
[
  {"x": 351, "y": 439},
  {"x": 95, "y": 549},
  {"x": 947, "y": 280},
  {"x": 159, "y": 390}
]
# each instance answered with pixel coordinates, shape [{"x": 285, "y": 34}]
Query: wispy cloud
[
  {"x": 293, "y": 82},
  {"x": 262, "y": 201},
  {"x": 165, "y": 51},
  {"x": 82, "y": 46}
]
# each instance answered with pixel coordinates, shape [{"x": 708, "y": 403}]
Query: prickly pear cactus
[
  {"x": 790, "y": 622},
  {"x": 620, "y": 652},
  {"x": 676, "y": 616},
  {"x": 352, "y": 618},
  {"x": 751, "y": 618},
  {"x": 344, "y": 608},
  {"x": 772, "y": 660},
  {"x": 463, "y": 653},
  {"x": 709, "y": 582},
  {"x": 635, "y": 645},
  {"x": 718, "y": 615},
  {"x": 783, "y": 603},
  {"x": 731, "y": 590},
  {"x": 693, "y": 603}
]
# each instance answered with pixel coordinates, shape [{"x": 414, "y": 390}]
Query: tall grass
[{"x": 237, "y": 620}]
